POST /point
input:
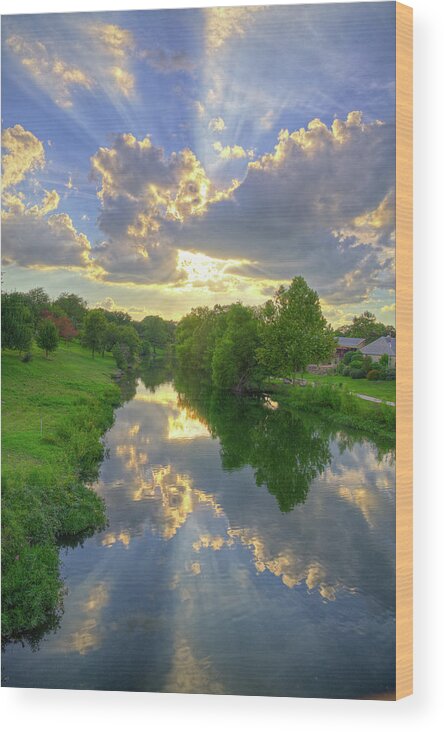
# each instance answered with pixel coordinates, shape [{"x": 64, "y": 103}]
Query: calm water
[{"x": 249, "y": 551}]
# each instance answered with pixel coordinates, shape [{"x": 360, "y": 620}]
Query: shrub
[
  {"x": 367, "y": 364},
  {"x": 348, "y": 357},
  {"x": 384, "y": 360},
  {"x": 346, "y": 371},
  {"x": 356, "y": 373},
  {"x": 390, "y": 374},
  {"x": 373, "y": 375},
  {"x": 376, "y": 366}
]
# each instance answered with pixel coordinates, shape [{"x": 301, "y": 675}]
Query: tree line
[
  {"x": 32, "y": 317},
  {"x": 237, "y": 346}
]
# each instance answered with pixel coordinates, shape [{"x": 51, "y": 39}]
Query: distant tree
[
  {"x": 47, "y": 336},
  {"x": 118, "y": 317},
  {"x": 37, "y": 300},
  {"x": 295, "y": 333},
  {"x": 17, "y": 322},
  {"x": 74, "y": 306},
  {"x": 65, "y": 327},
  {"x": 155, "y": 329},
  {"x": 94, "y": 329},
  {"x": 366, "y": 326}
]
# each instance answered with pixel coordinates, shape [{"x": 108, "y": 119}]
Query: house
[
  {"x": 383, "y": 345},
  {"x": 344, "y": 345}
]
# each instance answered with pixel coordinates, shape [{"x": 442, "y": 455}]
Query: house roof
[
  {"x": 344, "y": 342},
  {"x": 385, "y": 344}
]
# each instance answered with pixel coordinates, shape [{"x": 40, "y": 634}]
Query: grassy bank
[
  {"x": 385, "y": 390},
  {"x": 54, "y": 412},
  {"x": 339, "y": 407}
]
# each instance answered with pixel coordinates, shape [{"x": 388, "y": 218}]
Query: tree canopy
[{"x": 295, "y": 332}]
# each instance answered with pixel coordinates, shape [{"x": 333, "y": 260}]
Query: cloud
[
  {"x": 102, "y": 53},
  {"x": 216, "y": 124},
  {"x": 267, "y": 120},
  {"x": 221, "y": 24},
  {"x": 49, "y": 70},
  {"x": 293, "y": 212},
  {"x": 31, "y": 238},
  {"x": 200, "y": 108},
  {"x": 143, "y": 193},
  {"x": 168, "y": 63},
  {"x": 25, "y": 153},
  {"x": 389, "y": 308},
  {"x": 228, "y": 152}
]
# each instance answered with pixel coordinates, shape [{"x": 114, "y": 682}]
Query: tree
[
  {"x": 94, "y": 329},
  {"x": 47, "y": 336},
  {"x": 235, "y": 364},
  {"x": 17, "y": 322},
  {"x": 294, "y": 332},
  {"x": 155, "y": 329},
  {"x": 73, "y": 305},
  {"x": 65, "y": 327},
  {"x": 37, "y": 300},
  {"x": 366, "y": 326}
]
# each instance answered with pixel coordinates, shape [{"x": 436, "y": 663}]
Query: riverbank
[
  {"x": 338, "y": 406},
  {"x": 384, "y": 390},
  {"x": 54, "y": 412}
]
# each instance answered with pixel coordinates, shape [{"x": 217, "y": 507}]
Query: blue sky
[{"x": 159, "y": 160}]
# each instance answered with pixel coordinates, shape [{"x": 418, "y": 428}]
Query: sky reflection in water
[{"x": 249, "y": 551}]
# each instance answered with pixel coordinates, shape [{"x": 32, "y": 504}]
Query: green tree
[
  {"x": 366, "y": 326},
  {"x": 155, "y": 329},
  {"x": 235, "y": 363},
  {"x": 294, "y": 332},
  {"x": 94, "y": 330},
  {"x": 74, "y": 306},
  {"x": 17, "y": 322},
  {"x": 47, "y": 336}
]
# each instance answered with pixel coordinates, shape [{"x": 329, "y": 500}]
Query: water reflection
[{"x": 248, "y": 550}]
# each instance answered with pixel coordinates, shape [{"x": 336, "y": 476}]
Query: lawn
[
  {"x": 54, "y": 411},
  {"x": 39, "y": 395},
  {"x": 380, "y": 389}
]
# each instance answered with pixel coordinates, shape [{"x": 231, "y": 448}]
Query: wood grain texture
[{"x": 404, "y": 356}]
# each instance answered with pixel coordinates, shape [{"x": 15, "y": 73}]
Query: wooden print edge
[{"x": 404, "y": 337}]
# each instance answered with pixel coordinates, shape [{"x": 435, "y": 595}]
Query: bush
[
  {"x": 390, "y": 374},
  {"x": 373, "y": 375},
  {"x": 356, "y": 373},
  {"x": 348, "y": 357},
  {"x": 346, "y": 371},
  {"x": 367, "y": 364}
]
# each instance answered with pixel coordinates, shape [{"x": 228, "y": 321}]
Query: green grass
[
  {"x": 385, "y": 390},
  {"x": 340, "y": 407},
  {"x": 53, "y": 414}
]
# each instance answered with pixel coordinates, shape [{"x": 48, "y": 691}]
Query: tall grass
[
  {"x": 44, "y": 495},
  {"x": 342, "y": 408}
]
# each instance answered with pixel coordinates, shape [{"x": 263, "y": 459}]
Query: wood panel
[{"x": 404, "y": 358}]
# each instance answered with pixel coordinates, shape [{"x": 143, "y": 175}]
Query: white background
[{"x": 36, "y": 710}]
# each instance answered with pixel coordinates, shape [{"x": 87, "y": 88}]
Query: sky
[{"x": 155, "y": 161}]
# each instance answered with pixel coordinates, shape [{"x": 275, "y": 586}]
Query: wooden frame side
[{"x": 404, "y": 338}]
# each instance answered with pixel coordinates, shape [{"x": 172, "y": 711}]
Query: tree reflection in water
[{"x": 286, "y": 451}]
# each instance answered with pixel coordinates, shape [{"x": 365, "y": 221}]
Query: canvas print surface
[{"x": 199, "y": 350}]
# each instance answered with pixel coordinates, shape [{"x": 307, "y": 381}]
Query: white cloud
[
  {"x": 31, "y": 238},
  {"x": 49, "y": 70},
  {"x": 102, "y": 54},
  {"x": 25, "y": 153},
  {"x": 288, "y": 213},
  {"x": 216, "y": 124},
  {"x": 222, "y": 24},
  {"x": 232, "y": 152}
]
